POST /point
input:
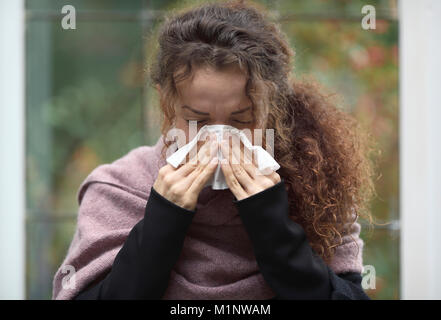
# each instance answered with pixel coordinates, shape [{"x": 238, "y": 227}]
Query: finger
[
  {"x": 245, "y": 156},
  {"x": 239, "y": 172},
  {"x": 231, "y": 180},
  {"x": 246, "y": 177},
  {"x": 272, "y": 175},
  {"x": 200, "y": 181},
  {"x": 201, "y": 166},
  {"x": 197, "y": 169},
  {"x": 190, "y": 166},
  {"x": 200, "y": 149},
  {"x": 164, "y": 171},
  {"x": 167, "y": 169},
  {"x": 211, "y": 150},
  {"x": 202, "y": 140},
  {"x": 248, "y": 162},
  {"x": 275, "y": 177},
  {"x": 236, "y": 144}
]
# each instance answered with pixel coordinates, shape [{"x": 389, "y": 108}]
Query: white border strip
[
  {"x": 420, "y": 148},
  {"x": 12, "y": 148}
]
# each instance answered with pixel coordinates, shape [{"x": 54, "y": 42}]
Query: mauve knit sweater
[{"x": 217, "y": 260}]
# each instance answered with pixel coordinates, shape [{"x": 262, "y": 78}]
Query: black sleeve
[
  {"x": 142, "y": 267},
  {"x": 286, "y": 260}
]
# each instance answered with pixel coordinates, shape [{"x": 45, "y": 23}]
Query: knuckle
[
  {"x": 267, "y": 183},
  {"x": 237, "y": 170},
  {"x": 202, "y": 161},
  {"x": 161, "y": 172},
  {"x": 167, "y": 179},
  {"x": 235, "y": 183},
  {"x": 175, "y": 190},
  {"x": 192, "y": 166},
  {"x": 255, "y": 171},
  {"x": 188, "y": 203},
  {"x": 254, "y": 190},
  {"x": 200, "y": 168}
]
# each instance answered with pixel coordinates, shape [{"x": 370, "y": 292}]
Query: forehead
[{"x": 209, "y": 88}]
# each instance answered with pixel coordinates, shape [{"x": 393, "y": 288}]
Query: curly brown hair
[{"x": 324, "y": 154}]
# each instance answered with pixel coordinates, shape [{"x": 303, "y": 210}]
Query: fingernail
[
  {"x": 214, "y": 160},
  {"x": 224, "y": 161}
]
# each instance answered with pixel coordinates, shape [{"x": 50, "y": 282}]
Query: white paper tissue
[{"x": 265, "y": 162}]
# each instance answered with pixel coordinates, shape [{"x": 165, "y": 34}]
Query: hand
[
  {"x": 243, "y": 177},
  {"x": 182, "y": 185}
]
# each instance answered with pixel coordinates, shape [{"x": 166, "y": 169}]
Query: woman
[{"x": 147, "y": 230}]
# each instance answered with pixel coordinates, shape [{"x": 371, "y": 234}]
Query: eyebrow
[{"x": 207, "y": 114}]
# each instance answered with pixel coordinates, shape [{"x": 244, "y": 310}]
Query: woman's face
[{"x": 214, "y": 97}]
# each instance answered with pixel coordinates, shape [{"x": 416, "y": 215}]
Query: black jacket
[{"x": 287, "y": 262}]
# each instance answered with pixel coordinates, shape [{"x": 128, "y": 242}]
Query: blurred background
[{"x": 87, "y": 101}]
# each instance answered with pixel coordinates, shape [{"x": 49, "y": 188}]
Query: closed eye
[
  {"x": 198, "y": 121},
  {"x": 238, "y": 121},
  {"x": 242, "y": 121}
]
